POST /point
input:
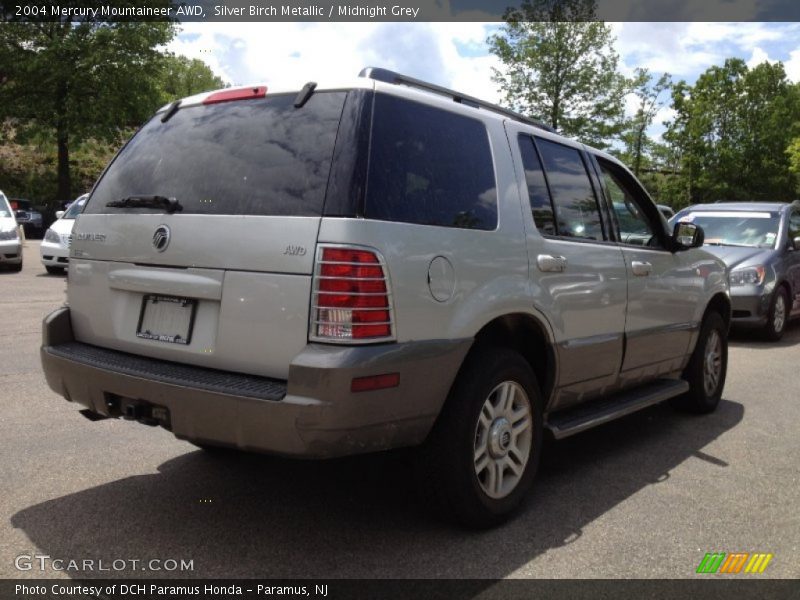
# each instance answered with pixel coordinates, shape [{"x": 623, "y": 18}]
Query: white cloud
[
  {"x": 688, "y": 49},
  {"x": 758, "y": 57},
  {"x": 793, "y": 66},
  {"x": 286, "y": 55}
]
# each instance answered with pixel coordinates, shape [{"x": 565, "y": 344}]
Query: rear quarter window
[{"x": 429, "y": 166}]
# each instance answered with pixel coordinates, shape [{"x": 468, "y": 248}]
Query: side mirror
[
  {"x": 687, "y": 235},
  {"x": 795, "y": 243},
  {"x": 59, "y": 214}
]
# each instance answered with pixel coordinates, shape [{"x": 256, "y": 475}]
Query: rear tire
[
  {"x": 707, "y": 368},
  {"x": 483, "y": 452},
  {"x": 778, "y": 315},
  {"x": 16, "y": 268},
  {"x": 55, "y": 270}
]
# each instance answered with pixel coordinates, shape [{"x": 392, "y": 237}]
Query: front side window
[
  {"x": 429, "y": 166},
  {"x": 577, "y": 211},
  {"x": 634, "y": 226}
]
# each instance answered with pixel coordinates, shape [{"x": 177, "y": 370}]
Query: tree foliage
[
  {"x": 731, "y": 132},
  {"x": 182, "y": 76},
  {"x": 639, "y": 148},
  {"x": 82, "y": 79},
  {"x": 560, "y": 66},
  {"x": 72, "y": 91},
  {"x": 793, "y": 152}
]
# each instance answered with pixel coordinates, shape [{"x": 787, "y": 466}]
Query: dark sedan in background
[
  {"x": 760, "y": 244},
  {"x": 28, "y": 216}
]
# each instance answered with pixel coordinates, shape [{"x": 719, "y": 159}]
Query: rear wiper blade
[{"x": 171, "y": 205}]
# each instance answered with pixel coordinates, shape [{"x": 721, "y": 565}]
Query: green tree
[
  {"x": 793, "y": 152},
  {"x": 639, "y": 147},
  {"x": 560, "y": 66},
  {"x": 731, "y": 132},
  {"x": 182, "y": 76},
  {"x": 80, "y": 79}
]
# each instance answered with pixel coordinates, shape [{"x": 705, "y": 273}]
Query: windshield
[
  {"x": 5, "y": 209},
  {"x": 75, "y": 208},
  {"x": 250, "y": 157},
  {"x": 736, "y": 228}
]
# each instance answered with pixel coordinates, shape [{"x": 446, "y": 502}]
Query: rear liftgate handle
[{"x": 551, "y": 264}]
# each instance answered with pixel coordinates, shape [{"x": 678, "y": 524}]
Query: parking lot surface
[{"x": 646, "y": 496}]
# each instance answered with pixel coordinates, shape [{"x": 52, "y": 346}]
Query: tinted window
[
  {"x": 539, "y": 197},
  {"x": 429, "y": 166},
  {"x": 577, "y": 212},
  {"x": 258, "y": 157}
]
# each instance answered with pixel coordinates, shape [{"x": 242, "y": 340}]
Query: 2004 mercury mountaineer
[{"x": 381, "y": 264}]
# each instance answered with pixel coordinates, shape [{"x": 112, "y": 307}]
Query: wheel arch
[
  {"x": 531, "y": 338},
  {"x": 720, "y": 303}
]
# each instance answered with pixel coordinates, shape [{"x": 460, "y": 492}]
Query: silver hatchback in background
[{"x": 381, "y": 263}]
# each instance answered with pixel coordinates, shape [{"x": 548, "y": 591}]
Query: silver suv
[{"x": 380, "y": 264}]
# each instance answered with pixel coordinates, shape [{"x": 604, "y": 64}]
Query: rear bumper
[{"x": 313, "y": 414}]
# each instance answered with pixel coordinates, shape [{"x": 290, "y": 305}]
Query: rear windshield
[{"x": 248, "y": 157}]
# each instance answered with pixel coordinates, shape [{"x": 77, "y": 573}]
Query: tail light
[{"x": 351, "y": 301}]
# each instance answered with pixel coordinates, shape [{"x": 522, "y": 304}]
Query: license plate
[{"x": 166, "y": 319}]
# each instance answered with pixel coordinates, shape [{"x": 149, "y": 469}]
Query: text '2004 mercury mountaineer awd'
[{"x": 381, "y": 264}]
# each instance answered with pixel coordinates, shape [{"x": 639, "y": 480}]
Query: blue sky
[{"x": 286, "y": 55}]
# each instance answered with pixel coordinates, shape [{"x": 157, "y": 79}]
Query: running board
[{"x": 571, "y": 421}]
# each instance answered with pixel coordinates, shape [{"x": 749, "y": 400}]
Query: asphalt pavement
[{"x": 646, "y": 496}]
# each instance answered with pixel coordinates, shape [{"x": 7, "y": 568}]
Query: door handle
[
  {"x": 551, "y": 264},
  {"x": 640, "y": 268}
]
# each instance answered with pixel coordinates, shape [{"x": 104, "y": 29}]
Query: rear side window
[
  {"x": 250, "y": 157},
  {"x": 577, "y": 211},
  {"x": 429, "y": 166}
]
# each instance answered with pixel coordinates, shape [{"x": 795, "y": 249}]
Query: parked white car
[
  {"x": 10, "y": 244},
  {"x": 55, "y": 245}
]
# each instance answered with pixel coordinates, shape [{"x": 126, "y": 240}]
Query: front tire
[
  {"x": 483, "y": 453},
  {"x": 778, "y": 315},
  {"x": 707, "y": 368}
]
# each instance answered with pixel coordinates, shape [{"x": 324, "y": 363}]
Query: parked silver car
[
  {"x": 760, "y": 244},
  {"x": 377, "y": 264},
  {"x": 10, "y": 243}
]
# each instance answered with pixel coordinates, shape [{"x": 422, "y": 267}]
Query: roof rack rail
[{"x": 387, "y": 76}]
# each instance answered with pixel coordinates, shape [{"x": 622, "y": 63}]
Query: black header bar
[{"x": 383, "y": 11}]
